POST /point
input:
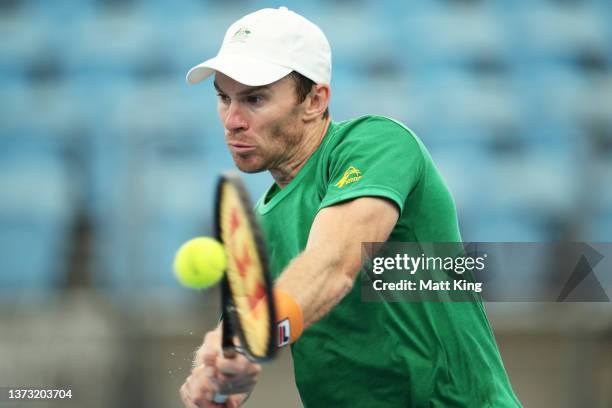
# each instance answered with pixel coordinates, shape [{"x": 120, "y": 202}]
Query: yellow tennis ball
[{"x": 200, "y": 262}]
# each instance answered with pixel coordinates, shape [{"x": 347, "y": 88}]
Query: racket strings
[{"x": 245, "y": 274}]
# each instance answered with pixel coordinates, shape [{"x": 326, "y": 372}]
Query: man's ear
[{"x": 317, "y": 101}]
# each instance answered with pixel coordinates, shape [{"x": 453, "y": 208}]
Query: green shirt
[{"x": 383, "y": 354}]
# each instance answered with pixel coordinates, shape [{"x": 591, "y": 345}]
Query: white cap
[{"x": 264, "y": 46}]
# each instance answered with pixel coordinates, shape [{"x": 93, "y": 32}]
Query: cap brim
[{"x": 244, "y": 69}]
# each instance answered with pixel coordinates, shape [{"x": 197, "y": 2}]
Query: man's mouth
[{"x": 241, "y": 147}]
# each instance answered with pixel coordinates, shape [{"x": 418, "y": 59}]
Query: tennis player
[{"x": 338, "y": 184}]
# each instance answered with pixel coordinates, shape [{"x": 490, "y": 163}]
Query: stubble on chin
[{"x": 248, "y": 166}]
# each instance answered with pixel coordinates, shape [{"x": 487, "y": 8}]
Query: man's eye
[
  {"x": 223, "y": 98},
  {"x": 254, "y": 99}
]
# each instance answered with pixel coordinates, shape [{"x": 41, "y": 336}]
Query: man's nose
[{"x": 235, "y": 119}]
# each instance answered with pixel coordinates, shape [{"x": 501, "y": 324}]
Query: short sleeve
[{"x": 375, "y": 157}]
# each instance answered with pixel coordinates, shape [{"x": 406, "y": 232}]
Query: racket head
[{"x": 248, "y": 305}]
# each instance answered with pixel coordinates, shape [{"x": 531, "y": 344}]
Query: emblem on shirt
[
  {"x": 351, "y": 175},
  {"x": 241, "y": 34}
]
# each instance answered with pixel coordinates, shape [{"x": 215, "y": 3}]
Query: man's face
[{"x": 262, "y": 124}]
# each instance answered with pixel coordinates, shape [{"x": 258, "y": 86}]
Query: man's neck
[{"x": 311, "y": 141}]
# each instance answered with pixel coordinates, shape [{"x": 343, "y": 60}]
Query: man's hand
[{"x": 214, "y": 374}]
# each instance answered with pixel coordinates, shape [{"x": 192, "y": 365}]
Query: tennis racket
[{"x": 246, "y": 289}]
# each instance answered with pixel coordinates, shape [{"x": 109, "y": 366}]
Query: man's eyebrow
[{"x": 247, "y": 91}]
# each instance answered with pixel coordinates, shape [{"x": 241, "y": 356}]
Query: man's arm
[
  {"x": 317, "y": 279},
  {"x": 325, "y": 271}
]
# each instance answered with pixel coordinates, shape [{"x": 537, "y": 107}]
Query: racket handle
[
  {"x": 219, "y": 398},
  {"x": 229, "y": 352}
]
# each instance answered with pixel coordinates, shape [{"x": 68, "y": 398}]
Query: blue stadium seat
[
  {"x": 60, "y": 9},
  {"x": 452, "y": 35},
  {"x": 15, "y": 103},
  {"x": 354, "y": 38},
  {"x": 35, "y": 220},
  {"x": 115, "y": 44},
  {"x": 467, "y": 171},
  {"x": 600, "y": 227},
  {"x": 23, "y": 43},
  {"x": 597, "y": 198},
  {"x": 176, "y": 12},
  {"x": 356, "y": 96},
  {"x": 557, "y": 95},
  {"x": 492, "y": 226},
  {"x": 459, "y": 101},
  {"x": 535, "y": 182},
  {"x": 197, "y": 38},
  {"x": 39, "y": 186},
  {"x": 572, "y": 34}
]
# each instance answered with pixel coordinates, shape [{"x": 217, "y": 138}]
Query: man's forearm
[
  {"x": 317, "y": 280},
  {"x": 325, "y": 271}
]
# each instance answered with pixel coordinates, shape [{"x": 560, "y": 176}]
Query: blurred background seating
[{"x": 108, "y": 158}]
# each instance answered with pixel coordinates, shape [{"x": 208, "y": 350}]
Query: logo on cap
[{"x": 241, "y": 35}]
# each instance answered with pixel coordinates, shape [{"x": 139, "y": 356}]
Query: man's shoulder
[
  {"x": 372, "y": 131},
  {"x": 371, "y": 121}
]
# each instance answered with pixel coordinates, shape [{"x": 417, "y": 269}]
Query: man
[{"x": 337, "y": 185}]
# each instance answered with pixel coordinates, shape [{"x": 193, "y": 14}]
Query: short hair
[{"x": 303, "y": 86}]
